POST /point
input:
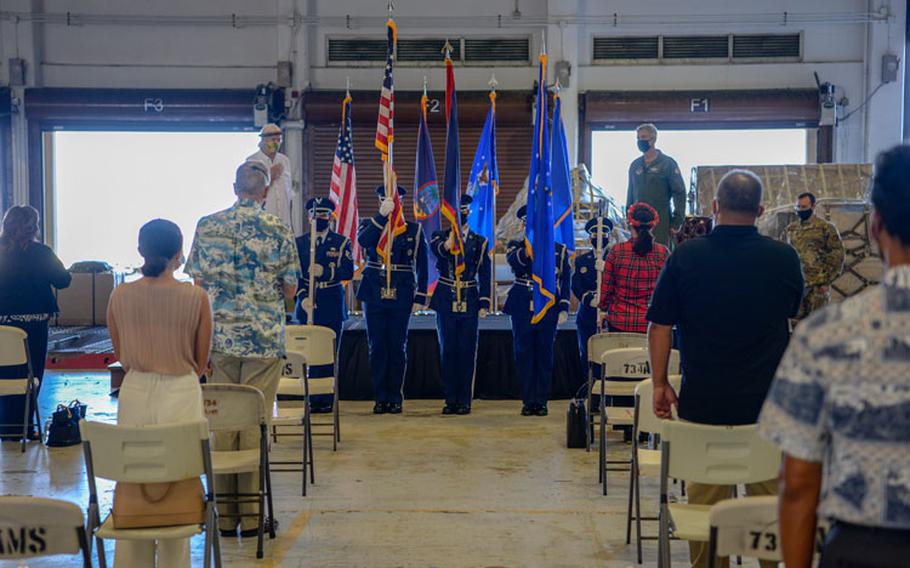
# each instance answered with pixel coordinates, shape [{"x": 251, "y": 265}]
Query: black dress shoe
[
  {"x": 465, "y": 409},
  {"x": 527, "y": 410},
  {"x": 541, "y": 411},
  {"x": 394, "y": 408},
  {"x": 380, "y": 408},
  {"x": 449, "y": 409}
]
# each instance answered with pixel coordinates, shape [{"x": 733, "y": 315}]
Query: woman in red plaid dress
[{"x": 630, "y": 273}]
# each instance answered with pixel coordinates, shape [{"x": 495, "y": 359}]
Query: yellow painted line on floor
[{"x": 286, "y": 539}]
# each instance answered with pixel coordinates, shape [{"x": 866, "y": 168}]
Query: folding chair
[
  {"x": 645, "y": 461},
  {"x": 716, "y": 455},
  {"x": 744, "y": 527},
  {"x": 293, "y": 383},
  {"x": 46, "y": 527},
  {"x": 149, "y": 454},
  {"x": 598, "y": 344},
  {"x": 235, "y": 408},
  {"x": 14, "y": 353},
  {"x": 626, "y": 368}
]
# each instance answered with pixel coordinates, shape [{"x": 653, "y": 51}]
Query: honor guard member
[
  {"x": 458, "y": 304},
  {"x": 334, "y": 264},
  {"x": 388, "y": 307},
  {"x": 584, "y": 285},
  {"x": 533, "y": 343},
  {"x": 821, "y": 254}
]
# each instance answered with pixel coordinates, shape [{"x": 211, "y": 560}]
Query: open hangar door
[
  {"x": 700, "y": 128},
  {"x": 105, "y": 161}
]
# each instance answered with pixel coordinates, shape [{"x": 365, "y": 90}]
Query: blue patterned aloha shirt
[
  {"x": 841, "y": 397},
  {"x": 243, "y": 256}
]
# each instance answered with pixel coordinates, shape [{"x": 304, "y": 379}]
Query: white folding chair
[
  {"x": 715, "y": 455},
  {"x": 149, "y": 454},
  {"x": 645, "y": 461},
  {"x": 235, "y": 408},
  {"x": 14, "y": 353},
  {"x": 621, "y": 371},
  {"x": 744, "y": 527},
  {"x": 598, "y": 345},
  {"x": 45, "y": 527}
]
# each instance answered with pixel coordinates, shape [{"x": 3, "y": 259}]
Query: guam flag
[
  {"x": 426, "y": 190},
  {"x": 539, "y": 230},
  {"x": 452, "y": 184}
]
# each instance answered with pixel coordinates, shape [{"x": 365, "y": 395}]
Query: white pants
[{"x": 146, "y": 399}]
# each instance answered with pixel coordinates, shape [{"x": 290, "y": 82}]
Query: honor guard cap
[
  {"x": 606, "y": 225},
  {"x": 380, "y": 191},
  {"x": 318, "y": 205}
]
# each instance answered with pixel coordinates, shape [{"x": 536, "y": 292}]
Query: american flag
[
  {"x": 385, "y": 125},
  {"x": 384, "y": 138},
  {"x": 343, "y": 189}
]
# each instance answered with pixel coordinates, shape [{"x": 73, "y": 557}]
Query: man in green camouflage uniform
[
  {"x": 821, "y": 254},
  {"x": 654, "y": 179}
]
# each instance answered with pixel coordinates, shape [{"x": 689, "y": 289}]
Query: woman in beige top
[{"x": 162, "y": 332}]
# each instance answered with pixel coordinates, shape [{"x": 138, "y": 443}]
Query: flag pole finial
[
  {"x": 347, "y": 85},
  {"x": 391, "y": 8},
  {"x": 447, "y": 49},
  {"x": 543, "y": 41},
  {"x": 424, "y": 85},
  {"x": 493, "y": 83}
]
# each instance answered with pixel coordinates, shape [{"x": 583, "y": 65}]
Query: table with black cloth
[{"x": 496, "y": 376}]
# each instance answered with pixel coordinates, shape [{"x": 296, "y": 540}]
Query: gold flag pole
[{"x": 494, "y": 305}]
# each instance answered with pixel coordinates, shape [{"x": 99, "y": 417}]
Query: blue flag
[
  {"x": 426, "y": 191},
  {"x": 483, "y": 183},
  {"x": 540, "y": 208},
  {"x": 564, "y": 226}
]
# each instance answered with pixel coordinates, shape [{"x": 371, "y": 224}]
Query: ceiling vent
[
  {"x": 763, "y": 46},
  {"x": 696, "y": 47},
  {"x": 613, "y": 48}
]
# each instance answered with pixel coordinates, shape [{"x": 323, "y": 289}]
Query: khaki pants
[
  {"x": 701, "y": 494},
  {"x": 264, "y": 374}
]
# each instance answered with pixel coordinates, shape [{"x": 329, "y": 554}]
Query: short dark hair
[
  {"x": 807, "y": 195},
  {"x": 159, "y": 241},
  {"x": 739, "y": 191},
  {"x": 890, "y": 192}
]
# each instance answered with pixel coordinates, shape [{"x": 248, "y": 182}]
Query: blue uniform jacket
[
  {"x": 518, "y": 300},
  {"x": 476, "y": 270},
  {"x": 409, "y": 264},
  {"x": 584, "y": 285},
  {"x": 335, "y": 256}
]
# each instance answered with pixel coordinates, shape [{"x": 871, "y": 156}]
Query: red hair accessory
[{"x": 638, "y": 206}]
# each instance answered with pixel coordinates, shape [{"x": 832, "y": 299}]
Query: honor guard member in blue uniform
[
  {"x": 533, "y": 343},
  {"x": 388, "y": 308},
  {"x": 459, "y": 304},
  {"x": 333, "y": 266},
  {"x": 584, "y": 286}
]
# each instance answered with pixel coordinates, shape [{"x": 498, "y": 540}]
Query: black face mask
[
  {"x": 804, "y": 214},
  {"x": 603, "y": 242},
  {"x": 322, "y": 224},
  {"x": 644, "y": 145}
]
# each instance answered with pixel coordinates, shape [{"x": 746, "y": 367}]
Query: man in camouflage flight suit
[{"x": 821, "y": 254}]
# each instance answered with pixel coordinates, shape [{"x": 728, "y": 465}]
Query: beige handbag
[{"x": 148, "y": 505}]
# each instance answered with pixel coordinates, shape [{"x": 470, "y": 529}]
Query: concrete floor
[{"x": 487, "y": 490}]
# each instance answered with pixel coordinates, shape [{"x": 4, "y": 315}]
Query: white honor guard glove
[
  {"x": 415, "y": 307},
  {"x": 593, "y": 303},
  {"x": 318, "y": 270},
  {"x": 386, "y": 207},
  {"x": 483, "y": 313},
  {"x": 563, "y": 318},
  {"x": 306, "y": 303},
  {"x": 450, "y": 242},
  {"x": 599, "y": 265}
]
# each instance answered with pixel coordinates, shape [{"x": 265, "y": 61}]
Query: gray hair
[
  {"x": 649, "y": 128},
  {"x": 251, "y": 179},
  {"x": 739, "y": 191}
]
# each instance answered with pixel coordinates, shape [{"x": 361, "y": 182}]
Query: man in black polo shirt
[{"x": 731, "y": 295}]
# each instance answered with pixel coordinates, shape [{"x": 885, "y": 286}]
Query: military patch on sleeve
[{"x": 583, "y": 269}]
